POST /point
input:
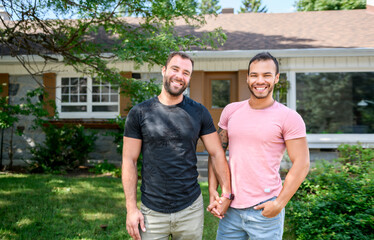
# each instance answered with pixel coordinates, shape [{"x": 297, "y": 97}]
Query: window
[
  {"x": 84, "y": 97},
  {"x": 220, "y": 93},
  {"x": 336, "y": 102}
]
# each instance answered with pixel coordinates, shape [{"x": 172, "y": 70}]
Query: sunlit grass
[{"x": 57, "y": 207}]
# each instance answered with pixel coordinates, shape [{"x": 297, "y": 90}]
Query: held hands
[
  {"x": 133, "y": 219},
  {"x": 270, "y": 208},
  {"x": 218, "y": 205}
]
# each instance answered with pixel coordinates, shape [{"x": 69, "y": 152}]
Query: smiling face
[
  {"x": 176, "y": 75},
  {"x": 262, "y": 78}
]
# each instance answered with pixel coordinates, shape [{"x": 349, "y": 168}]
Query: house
[{"x": 327, "y": 56}]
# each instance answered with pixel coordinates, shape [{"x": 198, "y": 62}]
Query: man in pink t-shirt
[{"x": 258, "y": 131}]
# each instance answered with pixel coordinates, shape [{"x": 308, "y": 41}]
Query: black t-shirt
[{"x": 169, "y": 136}]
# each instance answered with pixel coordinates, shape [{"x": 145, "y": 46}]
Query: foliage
[
  {"x": 209, "y": 6},
  {"x": 57, "y": 207},
  {"x": 322, "y": 5},
  {"x": 139, "y": 91},
  {"x": 8, "y": 112},
  {"x": 336, "y": 200},
  {"x": 105, "y": 167},
  {"x": 281, "y": 89},
  {"x": 64, "y": 148},
  {"x": 252, "y": 6},
  {"x": 11, "y": 113},
  {"x": 91, "y": 35}
]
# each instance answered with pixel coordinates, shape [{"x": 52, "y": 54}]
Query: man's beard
[
  {"x": 170, "y": 90},
  {"x": 261, "y": 97}
]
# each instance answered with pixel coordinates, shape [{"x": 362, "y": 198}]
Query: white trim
[
  {"x": 33, "y": 58},
  {"x": 292, "y": 90},
  {"x": 334, "y": 140},
  {"x": 310, "y": 52}
]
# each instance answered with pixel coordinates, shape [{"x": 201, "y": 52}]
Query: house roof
[
  {"x": 319, "y": 29},
  {"x": 282, "y": 31}
]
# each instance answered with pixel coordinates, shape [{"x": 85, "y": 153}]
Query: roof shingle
[{"x": 322, "y": 29}]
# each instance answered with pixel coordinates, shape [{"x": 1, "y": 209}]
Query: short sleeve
[
  {"x": 224, "y": 119},
  {"x": 132, "y": 124},
  {"x": 294, "y": 126},
  {"x": 207, "y": 126}
]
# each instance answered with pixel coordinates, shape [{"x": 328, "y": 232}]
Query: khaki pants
[{"x": 185, "y": 224}]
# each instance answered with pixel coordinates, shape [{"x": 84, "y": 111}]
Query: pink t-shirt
[{"x": 256, "y": 146}]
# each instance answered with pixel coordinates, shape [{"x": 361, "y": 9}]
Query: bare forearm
[
  {"x": 293, "y": 180},
  {"x": 212, "y": 180},
  {"x": 217, "y": 163},
  {"x": 222, "y": 172},
  {"x": 129, "y": 182}
]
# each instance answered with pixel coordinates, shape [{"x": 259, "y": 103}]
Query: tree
[
  {"x": 209, "y": 6},
  {"x": 322, "y": 5},
  {"x": 10, "y": 114},
  {"x": 252, "y": 6},
  {"x": 92, "y": 34}
]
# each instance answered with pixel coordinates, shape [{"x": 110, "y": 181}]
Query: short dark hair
[
  {"x": 181, "y": 54},
  {"x": 263, "y": 56}
]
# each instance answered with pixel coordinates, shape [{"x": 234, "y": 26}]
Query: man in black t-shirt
[{"x": 165, "y": 129}]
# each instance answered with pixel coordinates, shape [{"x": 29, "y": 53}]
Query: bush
[
  {"x": 336, "y": 200},
  {"x": 64, "y": 148},
  {"x": 105, "y": 167}
]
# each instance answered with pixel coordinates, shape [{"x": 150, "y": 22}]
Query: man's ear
[
  {"x": 163, "y": 70},
  {"x": 276, "y": 78}
]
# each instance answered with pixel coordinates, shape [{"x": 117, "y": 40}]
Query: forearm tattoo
[{"x": 223, "y": 137}]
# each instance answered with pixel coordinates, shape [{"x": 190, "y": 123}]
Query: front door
[{"x": 221, "y": 89}]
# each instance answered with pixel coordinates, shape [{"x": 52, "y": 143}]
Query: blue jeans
[{"x": 241, "y": 224}]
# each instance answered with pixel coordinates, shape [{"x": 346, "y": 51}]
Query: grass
[{"x": 58, "y": 207}]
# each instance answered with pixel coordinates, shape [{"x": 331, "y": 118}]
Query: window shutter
[
  {"x": 4, "y": 82},
  {"x": 49, "y": 83},
  {"x": 124, "y": 101}
]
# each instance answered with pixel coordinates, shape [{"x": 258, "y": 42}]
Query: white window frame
[
  {"x": 89, "y": 103},
  {"x": 330, "y": 140}
]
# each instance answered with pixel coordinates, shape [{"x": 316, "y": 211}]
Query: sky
[{"x": 273, "y": 6}]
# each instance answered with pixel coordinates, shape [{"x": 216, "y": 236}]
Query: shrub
[
  {"x": 64, "y": 148},
  {"x": 105, "y": 167},
  {"x": 336, "y": 200}
]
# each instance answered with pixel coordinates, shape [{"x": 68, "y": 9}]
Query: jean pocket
[
  {"x": 279, "y": 215},
  {"x": 266, "y": 217}
]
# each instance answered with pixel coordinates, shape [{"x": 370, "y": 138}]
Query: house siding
[{"x": 105, "y": 147}]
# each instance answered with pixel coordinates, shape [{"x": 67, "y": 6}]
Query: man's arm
[
  {"x": 212, "y": 179},
  {"x": 218, "y": 169},
  {"x": 298, "y": 152},
  {"x": 130, "y": 154}
]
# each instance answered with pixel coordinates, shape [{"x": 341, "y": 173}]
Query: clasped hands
[{"x": 218, "y": 205}]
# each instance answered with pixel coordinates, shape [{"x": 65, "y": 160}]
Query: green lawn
[{"x": 58, "y": 207}]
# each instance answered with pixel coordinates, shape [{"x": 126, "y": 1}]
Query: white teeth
[
  {"x": 260, "y": 88},
  {"x": 177, "y": 83}
]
